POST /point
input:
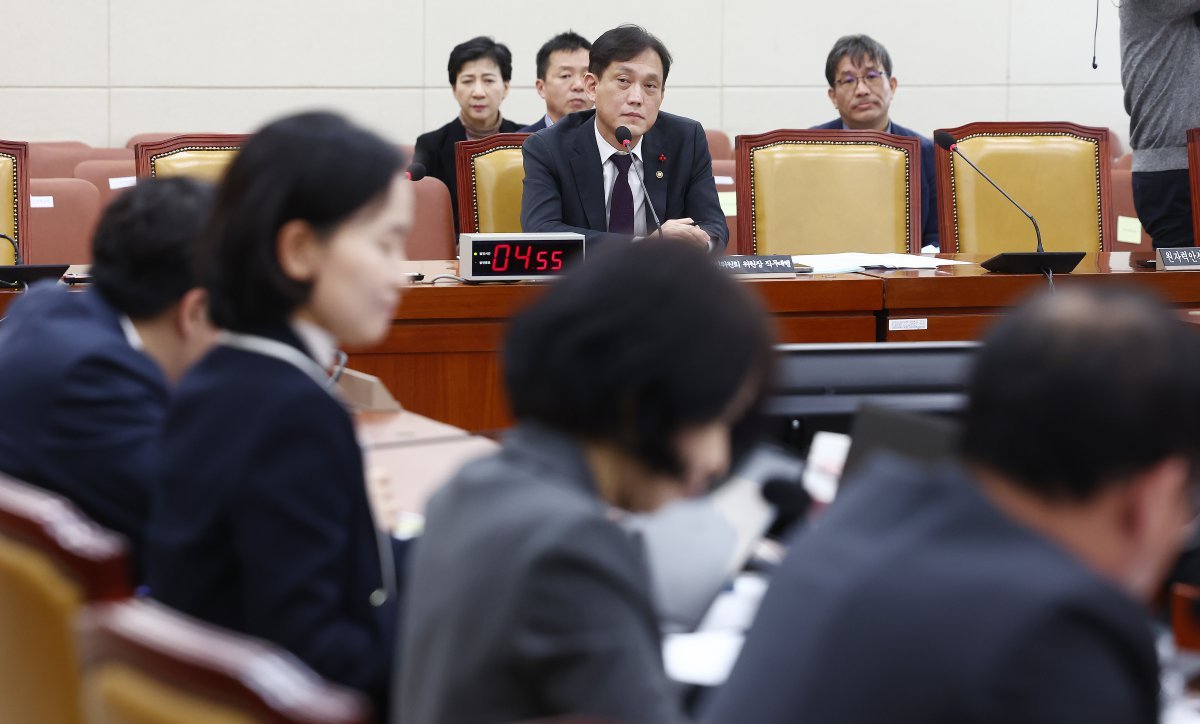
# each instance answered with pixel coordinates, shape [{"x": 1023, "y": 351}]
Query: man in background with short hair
[
  {"x": 1010, "y": 587},
  {"x": 861, "y": 87},
  {"x": 85, "y": 375},
  {"x": 562, "y": 65}
]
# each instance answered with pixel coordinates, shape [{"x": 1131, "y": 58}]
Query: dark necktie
[{"x": 620, "y": 209}]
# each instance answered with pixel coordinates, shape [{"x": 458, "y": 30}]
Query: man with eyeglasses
[
  {"x": 861, "y": 86},
  {"x": 1012, "y": 585}
]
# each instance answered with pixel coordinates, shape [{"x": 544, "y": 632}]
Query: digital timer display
[{"x": 520, "y": 258}]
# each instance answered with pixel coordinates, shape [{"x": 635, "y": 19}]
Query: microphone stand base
[{"x": 1034, "y": 262}]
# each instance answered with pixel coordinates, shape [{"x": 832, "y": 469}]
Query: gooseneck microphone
[
  {"x": 625, "y": 138},
  {"x": 415, "y": 172},
  {"x": 16, "y": 251},
  {"x": 1039, "y": 262},
  {"x": 946, "y": 141}
]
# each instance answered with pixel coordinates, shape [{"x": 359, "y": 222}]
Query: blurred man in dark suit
[
  {"x": 1008, "y": 588},
  {"x": 84, "y": 376}
]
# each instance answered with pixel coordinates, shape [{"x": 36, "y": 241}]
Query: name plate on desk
[
  {"x": 769, "y": 266},
  {"x": 1183, "y": 259}
]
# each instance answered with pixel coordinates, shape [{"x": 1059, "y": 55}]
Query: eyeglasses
[{"x": 873, "y": 79}]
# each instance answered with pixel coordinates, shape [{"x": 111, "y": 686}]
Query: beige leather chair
[
  {"x": 63, "y": 221},
  {"x": 14, "y": 196},
  {"x": 1058, "y": 171},
  {"x": 1121, "y": 187},
  {"x": 144, "y": 663},
  {"x": 202, "y": 156},
  {"x": 822, "y": 191},
  {"x": 52, "y": 561},
  {"x": 432, "y": 233},
  {"x": 491, "y": 176}
]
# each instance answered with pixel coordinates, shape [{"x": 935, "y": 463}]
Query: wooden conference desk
[{"x": 441, "y": 358}]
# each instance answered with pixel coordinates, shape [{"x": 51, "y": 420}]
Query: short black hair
[
  {"x": 144, "y": 249},
  {"x": 569, "y": 41},
  {"x": 1077, "y": 391},
  {"x": 622, "y": 43},
  {"x": 638, "y": 343},
  {"x": 476, "y": 48},
  {"x": 859, "y": 48},
  {"x": 315, "y": 167}
]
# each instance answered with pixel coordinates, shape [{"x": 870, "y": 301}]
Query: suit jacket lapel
[
  {"x": 589, "y": 175},
  {"x": 656, "y": 188}
]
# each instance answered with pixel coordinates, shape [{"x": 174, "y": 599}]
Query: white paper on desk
[
  {"x": 834, "y": 263},
  {"x": 704, "y": 658}
]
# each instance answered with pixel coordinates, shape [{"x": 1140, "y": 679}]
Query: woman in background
[
  {"x": 632, "y": 381},
  {"x": 480, "y": 71},
  {"x": 260, "y": 522}
]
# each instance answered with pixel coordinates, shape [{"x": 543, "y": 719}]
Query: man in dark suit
[
  {"x": 562, "y": 66},
  {"x": 580, "y": 178},
  {"x": 84, "y": 375},
  {"x": 861, "y": 86},
  {"x": 1008, "y": 588}
]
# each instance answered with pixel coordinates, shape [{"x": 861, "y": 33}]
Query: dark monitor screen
[{"x": 822, "y": 386}]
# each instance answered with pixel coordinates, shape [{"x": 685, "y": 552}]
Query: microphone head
[
  {"x": 943, "y": 139},
  {"x": 624, "y": 136},
  {"x": 416, "y": 172}
]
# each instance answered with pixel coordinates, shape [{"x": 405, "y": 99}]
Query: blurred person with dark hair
[
  {"x": 562, "y": 66},
  {"x": 1010, "y": 587},
  {"x": 580, "y": 178},
  {"x": 261, "y": 521},
  {"x": 861, "y": 87},
  {"x": 480, "y": 71},
  {"x": 527, "y": 599},
  {"x": 85, "y": 376}
]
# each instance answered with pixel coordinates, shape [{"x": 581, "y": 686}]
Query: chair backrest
[
  {"x": 1058, "y": 171},
  {"x": 144, "y": 663},
  {"x": 491, "y": 177},
  {"x": 203, "y": 156},
  {"x": 62, "y": 219},
  {"x": 14, "y": 196},
  {"x": 137, "y": 138},
  {"x": 821, "y": 191},
  {"x": 52, "y": 561},
  {"x": 1193, "y": 140},
  {"x": 719, "y": 145},
  {"x": 59, "y": 159},
  {"x": 111, "y": 178},
  {"x": 432, "y": 233}
]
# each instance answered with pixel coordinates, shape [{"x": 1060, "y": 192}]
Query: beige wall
[{"x": 102, "y": 70}]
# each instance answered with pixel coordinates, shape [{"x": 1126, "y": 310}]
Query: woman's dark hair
[
  {"x": 314, "y": 167},
  {"x": 640, "y": 342},
  {"x": 622, "y": 43},
  {"x": 476, "y": 48},
  {"x": 144, "y": 250}
]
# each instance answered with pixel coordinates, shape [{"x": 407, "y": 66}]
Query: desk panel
[
  {"x": 960, "y": 302},
  {"x": 441, "y": 357}
]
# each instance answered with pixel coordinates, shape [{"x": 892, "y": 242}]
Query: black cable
[
  {"x": 1049, "y": 277},
  {"x": 1095, "y": 35}
]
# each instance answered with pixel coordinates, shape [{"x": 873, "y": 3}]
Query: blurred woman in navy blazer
[{"x": 261, "y": 521}]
